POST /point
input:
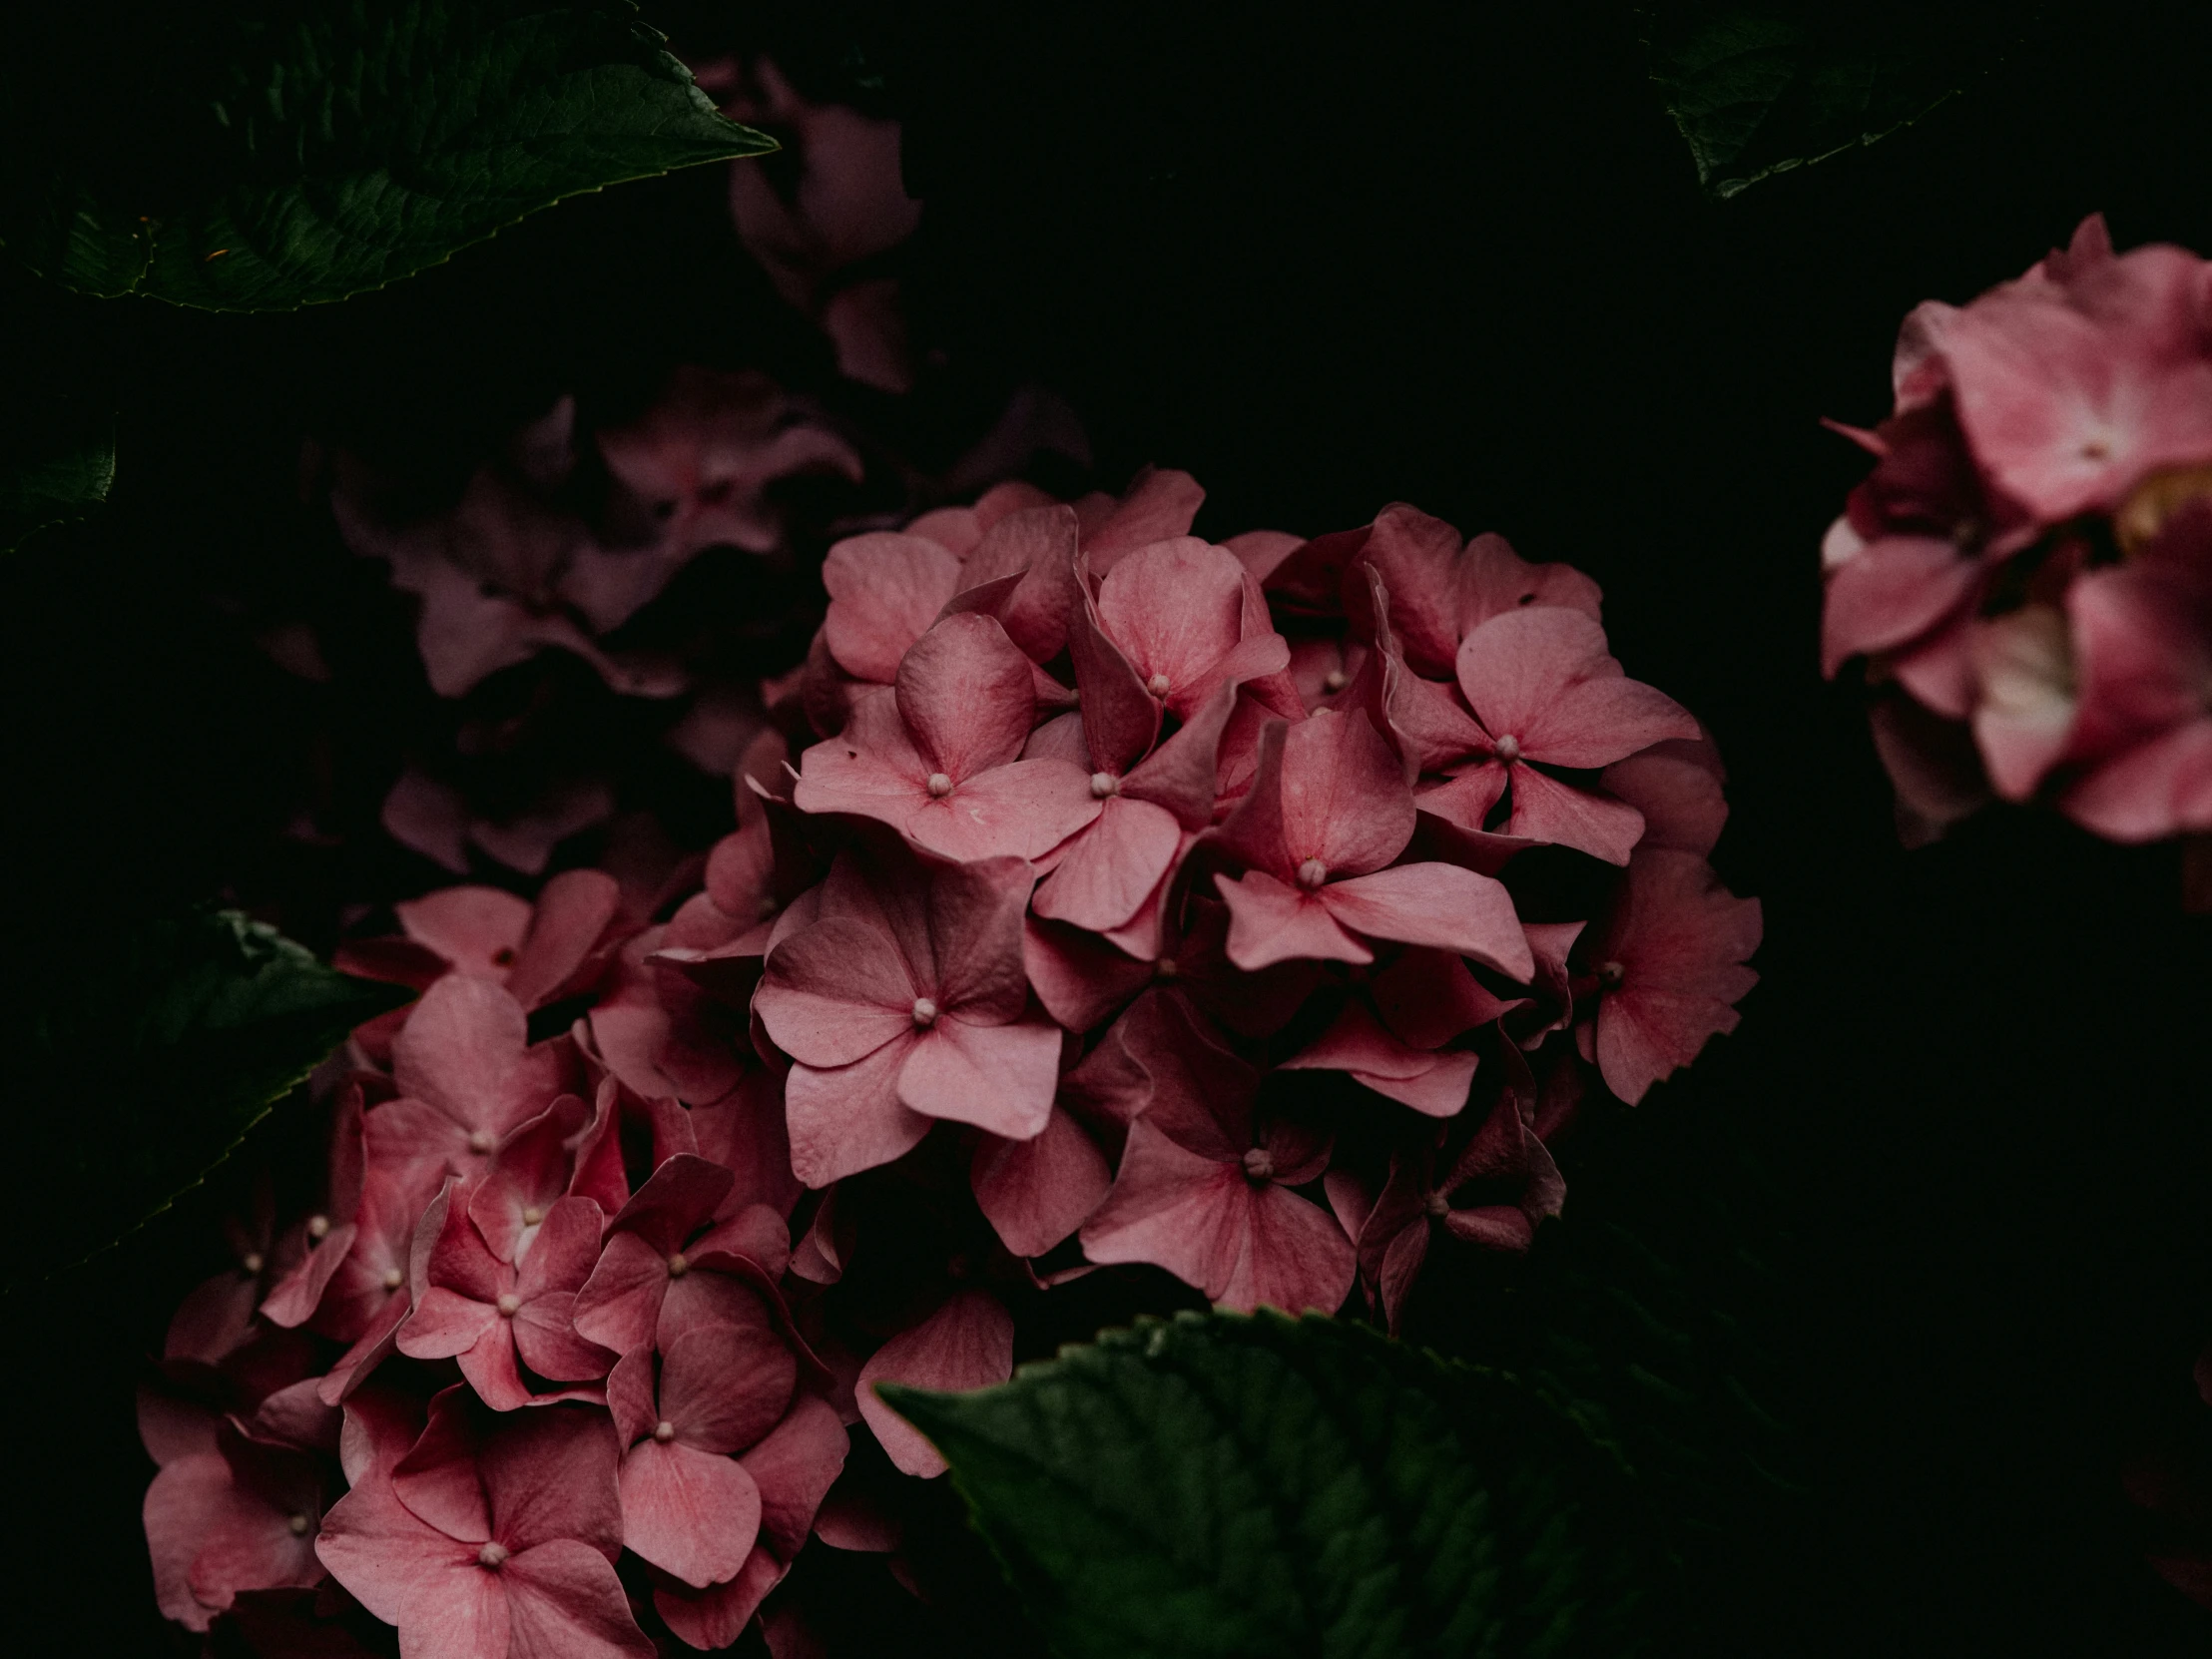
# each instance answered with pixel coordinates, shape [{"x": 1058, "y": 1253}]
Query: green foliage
[
  {"x": 1220, "y": 1485},
  {"x": 65, "y": 474},
  {"x": 1759, "y": 89},
  {"x": 285, "y": 153},
  {"x": 137, "y": 1063}
]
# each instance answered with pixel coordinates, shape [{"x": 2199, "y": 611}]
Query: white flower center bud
[
  {"x": 940, "y": 786},
  {"x": 1258, "y": 1165},
  {"x": 318, "y": 1227},
  {"x": 664, "y": 1431},
  {"x": 1311, "y": 873},
  {"x": 1158, "y": 684},
  {"x": 493, "y": 1555},
  {"x": 1165, "y": 968},
  {"x": 1610, "y": 974},
  {"x": 1439, "y": 1205},
  {"x": 299, "y": 1525},
  {"x": 678, "y": 1266},
  {"x": 480, "y": 1141},
  {"x": 394, "y": 1279},
  {"x": 1334, "y": 680},
  {"x": 1104, "y": 784},
  {"x": 925, "y": 1013},
  {"x": 531, "y": 1214},
  {"x": 1506, "y": 749},
  {"x": 251, "y": 1262},
  {"x": 508, "y": 1304}
]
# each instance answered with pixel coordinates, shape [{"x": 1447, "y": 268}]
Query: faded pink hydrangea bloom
[{"x": 2024, "y": 571}]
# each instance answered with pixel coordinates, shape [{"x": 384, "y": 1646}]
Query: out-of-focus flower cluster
[
  {"x": 2028, "y": 571},
  {"x": 1249, "y": 912}
]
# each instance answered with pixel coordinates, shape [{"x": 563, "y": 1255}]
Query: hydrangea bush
[{"x": 1101, "y": 897}]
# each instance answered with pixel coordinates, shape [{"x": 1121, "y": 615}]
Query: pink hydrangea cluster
[
  {"x": 1248, "y": 911},
  {"x": 2028, "y": 571}
]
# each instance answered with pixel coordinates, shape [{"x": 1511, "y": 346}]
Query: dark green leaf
[
  {"x": 136, "y": 1063},
  {"x": 1220, "y": 1485},
  {"x": 290, "y": 153},
  {"x": 66, "y": 475},
  {"x": 1758, "y": 89}
]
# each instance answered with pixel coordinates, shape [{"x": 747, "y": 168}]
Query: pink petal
[
  {"x": 565, "y": 1602},
  {"x": 964, "y": 693},
  {"x": 795, "y": 1467},
  {"x": 1680, "y": 940},
  {"x": 723, "y": 1387},
  {"x": 1430, "y": 1081},
  {"x": 1545, "y": 809},
  {"x": 1175, "y": 609},
  {"x": 621, "y": 1301},
  {"x": 714, "y": 1618},
  {"x": 574, "y": 912},
  {"x": 1022, "y": 811},
  {"x": 1113, "y": 867},
  {"x": 550, "y": 1473},
  {"x": 446, "y": 1323},
  {"x": 460, "y": 1050},
  {"x": 1157, "y": 505},
  {"x": 974, "y": 913},
  {"x": 1328, "y": 790},
  {"x": 1427, "y": 998},
  {"x": 997, "y": 1077},
  {"x": 690, "y": 1512},
  {"x": 545, "y": 1337},
  {"x": 966, "y": 1344},
  {"x": 1294, "y": 1257},
  {"x": 188, "y": 1496},
  {"x": 1078, "y": 977},
  {"x": 1036, "y": 1192},
  {"x": 391, "y": 1561},
  {"x": 530, "y": 1170},
  {"x": 1544, "y": 677},
  {"x": 1271, "y": 921},
  {"x": 1895, "y": 591},
  {"x": 2152, "y": 790},
  {"x": 478, "y": 930},
  {"x": 850, "y": 1118},
  {"x": 1677, "y": 789},
  {"x": 1434, "y": 904},
  {"x": 1465, "y": 800},
  {"x": 1493, "y": 579},
  {"x": 833, "y": 993},
  {"x": 884, "y": 590}
]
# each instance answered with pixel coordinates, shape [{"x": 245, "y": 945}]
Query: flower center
[
  {"x": 664, "y": 1431},
  {"x": 1334, "y": 680},
  {"x": 1610, "y": 974},
  {"x": 676, "y": 1266},
  {"x": 480, "y": 1141},
  {"x": 1157, "y": 685},
  {"x": 299, "y": 1525},
  {"x": 394, "y": 1279},
  {"x": 1311, "y": 873},
  {"x": 1439, "y": 1205},
  {"x": 504, "y": 956},
  {"x": 533, "y": 1215},
  {"x": 925, "y": 1013},
  {"x": 1104, "y": 784},
  {"x": 493, "y": 1555},
  {"x": 1506, "y": 749},
  {"x": 508, "y": 1304},
  {"x": 251, "y": 1262},
  {"x": 1165, "y": 968},
  {"x": 318, "y": 1227},
  {"x": 940, "y": 786},
  {"x": 1258, "y": 1165}
]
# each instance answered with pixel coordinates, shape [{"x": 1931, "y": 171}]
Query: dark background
[{"x": 1450, "y": 253}]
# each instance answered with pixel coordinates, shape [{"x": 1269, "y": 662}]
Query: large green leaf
[
  {"x": 1759, "y": 88},
  {"x": 287, "y": 152},
  {"x": 63, "y": 475},
  {"x": 135, "y": 1065},
  {"x": 1219, "y": 1485}
]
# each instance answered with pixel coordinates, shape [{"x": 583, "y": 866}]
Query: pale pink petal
[
  {"x": 850, "y": 1118},
  {"x": 966, "y": 1344},
  {"x": 478, "y": 931},
  {"x": 690, "y": 1512},
  {"x": 964, "y": 692},
  {"x": 1895, "y": 591},
  {"x": 833, "y": 993},
  {"x": 1271, "y": 921},
  {"x": 1434, "y": 904},
  {"x": 884, "y": 590},
  {"x": 997, "y": 1077},
  {"x": 1021, "y": 811},
  {"x": 1036, "y": 1192},
  {"x": 565, "y": 1602},
  {"x": 1112, "y": 869},
  {"x": 1545, "y": 809}
]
